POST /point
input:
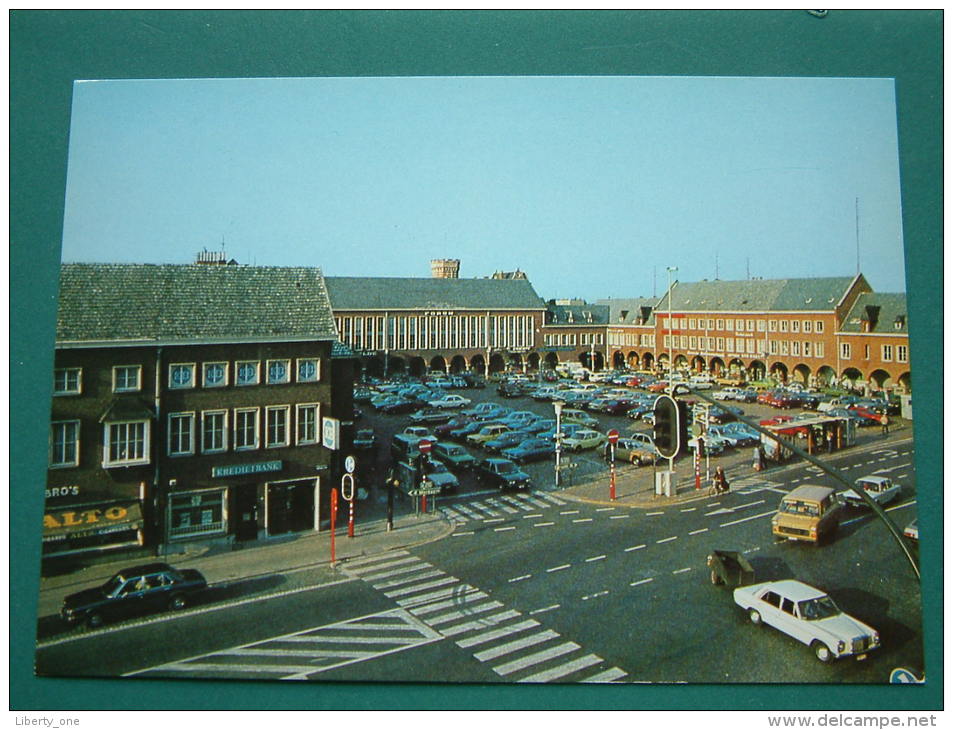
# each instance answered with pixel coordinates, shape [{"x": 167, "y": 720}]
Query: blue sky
[{"x": 591, "y": 185}]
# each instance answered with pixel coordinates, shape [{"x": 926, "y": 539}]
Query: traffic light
[{"x": 670, "y": 430}]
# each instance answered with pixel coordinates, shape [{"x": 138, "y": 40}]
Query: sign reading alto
[
  {"x": 91, "y": 520},
  {"x": 233, "y": 470}
]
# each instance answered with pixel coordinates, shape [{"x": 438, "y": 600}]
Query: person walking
[
  {"x": 721, "y": 481},
  {"x": 884, "y": 424},
  {"x": 830, "y": 441}
]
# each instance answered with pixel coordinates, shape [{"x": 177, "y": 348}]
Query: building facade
[{"x": 189, "y": 405}]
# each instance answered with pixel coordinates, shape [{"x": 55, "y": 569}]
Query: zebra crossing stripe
[
  {"x": 563, "y": 669},
  {"x": 451, "y": 603},
  {"x": 532, "y": 500},
  {"x": 607, "y": 676},
  {"x": 420, "y": 565},
  {"x": 516, "y": 503},
  {"x": 534, "y": 659},
  {"x": 497, "y": 633},
  {"x": 368, "y": 570},
  {"x": 453, "y": 515},
  {"x": 480, "y": 623},
  {"x": 408, "y": 579},
  {"x": 422, "y": 587},
  {"x": 357, "y": 562},
  {"x": 467, "y": 511},
  {"x": 483, "y": 508},
  {"x": 505, "y": 507},
  {"x": 464, "y": 613},
  {"x": 461, "y": 590},
  {"x": 516, "y": 645},
  {"x": 288, "y": 671},
  {"x": 551, "y": 498}
]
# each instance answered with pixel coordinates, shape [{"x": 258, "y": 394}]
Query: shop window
[{"x": 199, "y": 513}]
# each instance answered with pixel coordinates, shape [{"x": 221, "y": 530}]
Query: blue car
[
  {"x": 534, "y": 449},
  {"x": 506, "y": 441}
]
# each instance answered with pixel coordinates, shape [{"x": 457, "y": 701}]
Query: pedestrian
[
  {"x": 721, "y": 481},
  {"x": 830, "y": 441},
  {"x": 884, "y": 424},
  {"x": 758, "y": 462}
]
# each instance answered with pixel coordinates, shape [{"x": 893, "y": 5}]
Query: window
[
  {"x": 845, "y": 350},
  {"x": 749, "y": 325},
  {"x": 818, "y": 349},
  {"x": 279, "y": 371},
  {"x": 795, "y": 348},
  {"x": 307, "y": 421},
  {"x": 276, "y": 426},
  {"x": 761, "y": 325},
  {"x": 67, "y": 381},
  {"x": 866, "y": 352},
  {"x": 64, "y": 444},
  {"x": 739, "y": 325},
  {"x": 126, "y": 443},
  {"x": 309, "y": 370},
  {"x": 214, "y": 374},
  {"x": 772, "y": 599},
  {"x": 720, "y": 324},
  {"x": 246, "y": 372},
  {"x": 784, "y": 347},
  {"x": 886, "y": 353},
  {"x": 783, "y": 325},
  {"x": 795, "y": 325},
  {"x": 901, "y": 353},
  {"x": 806, "y": 326},
  {"x": 693, "y": 343},
  {"x": 214, "y": 431},
  {"x": 197, "y": 513},
  {"x": 739, "y": 345},
  {"x": 721, "y": 344},
  {"x": 772, "y": 325},
  {"x": 181, "y": 440},
  {"x": 711, "y": 324},
  {"x": 773, "y": 347},
  {"x": 806, "y": 349},
  {"x": 819, "y": 326},
  {"x": 126, "y": 378},
  {"x": 692, "y": 324},
  {"x": 182, "y": 375},
  {"x": 246, "y": 429},
  {"x": 787, "y": 605}
]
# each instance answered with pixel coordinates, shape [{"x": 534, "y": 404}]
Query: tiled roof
[
  {"x": 576, "y": 314},
  {"x": 888, "y": 313},
  {"x": 185, "y": 303},
  {"x": 386, "y": 293},
  {"x": 628, "y": 311},
  {"x": 757, "y": 295}
]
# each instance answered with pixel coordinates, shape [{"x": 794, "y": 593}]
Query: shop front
[
  {"x": 92, "y": 528},
  {"x": 292, "y": 506}
]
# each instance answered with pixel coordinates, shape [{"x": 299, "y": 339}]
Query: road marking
[
  {"x": 493, "y": 520},
  {"x": 363, "y": 570},
  {"x": 451, "y": 603},
  {"x": 550, "y": 498},
  {"x": 745, "y": 519},
  {"x": 619, "y": 517},
  {"x": 515, "y": 645},
  {"x": 606, "y": 676},
  {"x": 532, "y": 516},
  {"x": 407, "y": 579},
  {"x": 597, "y": 557},
  {"x": 360, "y": 562},
  {"x": 689, "y": 509},
  {"x": 605, "y": 509},
  {"x": 544, "y": 610},
  {"x": 537, "y": 658},
  {"x": 642, "y": 582},
  {"x": 457, "y": 590},
  {"x": 462, "y": 534},
  {"x": 596, "y": 595},
  {"x": 480, "y": 623},
  {"x": 698, "y": 532},
  {"x": 463, "y": 613},
  {"x": 544, "y": 524},
  {"x": 418, "y": 566},
  {"x": 666, "y": 539},
  {"x": 563, "y": 669},
  {"x": 558, "y": 567},
  {"x": 504, "y": 529},
  {"x": 582, "y": 519},
  {"x": 570, "y": 512},
  {"x": 519, "y": 578},
  {"x": 680, "y": 570},
  {"x": 497, "y": 633},
  {"x": 634, "y": 547},
  {"x": 422, "y": 587},
  {"x": 653, "y": 514}
]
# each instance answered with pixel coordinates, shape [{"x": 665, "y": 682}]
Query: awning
[{"x": 89, "y": 520}]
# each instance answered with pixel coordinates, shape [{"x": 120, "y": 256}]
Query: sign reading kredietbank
[{"x": 238, "y": 469}]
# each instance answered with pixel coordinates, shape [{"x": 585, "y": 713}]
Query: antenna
[
  {"x": 747, "y": 268},
  {"x": 716, "y": 266}
]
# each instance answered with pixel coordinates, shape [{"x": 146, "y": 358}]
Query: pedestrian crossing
[
  {"x": 754, "y": 484},
  {"x": 515, "y": 647},
  {"x": 503, "y": 505}
]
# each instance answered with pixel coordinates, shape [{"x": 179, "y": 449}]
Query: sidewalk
[
  {"x": 635, "y": 486},
  {"x": 223, "y": 564}
]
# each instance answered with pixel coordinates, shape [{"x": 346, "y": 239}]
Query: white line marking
[
  {"x": 462, "y": 534},
  {"x": 544, "y": 610},
  {"x": 422, "y": 587},
  {"x": 504, "y": 529},
  {"x": 642, "y": 582},
  {"x": 543, "y": 524},
  {"x": 497, "y": 633},
  {"x": 533, "y": 659},
  {"x": 582, "y": 519},
  {"x": 619, "y": 517},
  {"x": 563, "y": 669},
  {"x": 455, "y": 602},
  {"x": 532, "y": 516},
  {"x": 493, "y": 520},
  {"x": 605, "y": 509},
  {"x": 480, "y": 623},
  {"x": 519, "y": 578},
  {"x": 558, "y": 567},
  {"x": 597, "y": 557},
  {"x": 689, "y": 509},
  {"x": 570, "y": 512},
  {"x": 596, "y": 595},
  {"x": 463, "y": 613},
  {"x": 698, "y": 532},
  {"x": 653, "y": 514},
  {"x": 680, "y": 570},
  {"x": 666, "y": 539},
  {"x": 745, "y": 519},
  {"x": 516, "y": 645},
  {"x": 606, "y": 676},
  {"x": 634, "y": 547}
]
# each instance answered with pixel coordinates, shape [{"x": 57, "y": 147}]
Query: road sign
[
  {"x": 900, "y": 675},
  {"x": 425, "y": 446},
  {"x": 349, "y": 464},
  {"x": 423, "y": 492},
  {"x": 613, "y": 436}
]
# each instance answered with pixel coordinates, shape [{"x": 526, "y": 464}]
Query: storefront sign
[
  {"x": 84, "y": 517},
  {"x": 239, "y": 469},
  {"x": 80, "y": 522},
  {"x": 70, "y": 491}
]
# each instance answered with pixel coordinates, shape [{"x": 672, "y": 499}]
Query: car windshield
[
  {"x": 505, "y": 467},
  {"x": 818, "y": 608},
  {"x": 796, "y": 507},
  {"x": 113, "y": 584}
]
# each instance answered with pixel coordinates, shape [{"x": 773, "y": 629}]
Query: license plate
[{"x": 861, "y": 657}]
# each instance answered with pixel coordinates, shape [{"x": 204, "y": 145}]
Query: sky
[{"x": 593, "y": 186}]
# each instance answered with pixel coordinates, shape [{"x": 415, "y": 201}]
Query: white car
[
  {"x": 583, "y": 439},
  {"x": 880, "y": 489},
  {"x": 730, "y": 393},
  {"x": 808, "y": 615},
  {"x": 451, "y": 400}
]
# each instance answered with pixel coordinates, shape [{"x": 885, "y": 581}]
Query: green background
[{"x": 49, "y": 49}]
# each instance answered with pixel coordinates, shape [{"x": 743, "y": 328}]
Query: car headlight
[
  {"x": 840, "y": 647},
  {"x": 875, "y": 640}
]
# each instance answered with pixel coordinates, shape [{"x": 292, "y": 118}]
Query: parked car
[
  {"x": 453, "y": 455},
  {"x": 510, "y": 389},
  {"x": 714, "y": 445},
  {"x": 531, "y": 449},
  {"x": 912, "y": 531},
  {"x": 487, "y": 433},
  {"x": 430, "y": 415},
  {"x": 137, "y": 590},
  {"x": 809, "y": 513},
  {"x": 450, "y": 400},
  {"x": 463, "y": 432},
  {"x": 438, "y": 473},
  {"x": 541, "y": 425},
  {"x": 502, "y": 473},
  {"x": 364, "y": 439},
  {"x": 399, "y": 405},
  {"x": 808, "y": 615},
  {"x": 741, "y": 432},
  {"x": 506, "y": 440},
  {"x": 634, "y": 451},
  {"x": 572, "y": 415},
  {"x": 443, "y": 430},
  {"x": 584, "y": 439},
  {"x": 486, "y": 411},
  {"x": 881, "y": 489}
]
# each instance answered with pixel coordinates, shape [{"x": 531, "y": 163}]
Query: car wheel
[
  {"x": 822, "y": 652},
  {"x": 94, "y": 620},
  {"x": 177, "y": 603},
  {"x": 754, "y": 616}
]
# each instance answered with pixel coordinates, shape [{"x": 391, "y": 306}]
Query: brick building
[{"x": 189, "y": 405}]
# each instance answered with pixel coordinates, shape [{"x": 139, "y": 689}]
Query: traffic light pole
[{"x": 878, "y": 510}]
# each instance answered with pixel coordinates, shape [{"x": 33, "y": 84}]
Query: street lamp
[
  {"x": 558, "y": 405},
  {"x": 671, "y": 337}
]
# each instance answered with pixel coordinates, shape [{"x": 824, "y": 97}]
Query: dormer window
[{"x": 899, "y": 322}]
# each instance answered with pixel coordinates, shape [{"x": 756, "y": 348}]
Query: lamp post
[
  {"x": 671, "y": 337},
  {"x": 558, "y": 406}
]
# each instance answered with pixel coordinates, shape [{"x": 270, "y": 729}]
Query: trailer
[{"x": 730, "y": 568}]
